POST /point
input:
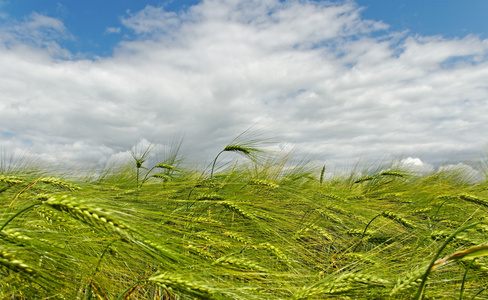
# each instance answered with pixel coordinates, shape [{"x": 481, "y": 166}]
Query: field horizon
[{"x": 249, "y": 224}]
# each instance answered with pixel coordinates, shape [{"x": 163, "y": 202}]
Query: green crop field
[{"x": 256, "y": 227}]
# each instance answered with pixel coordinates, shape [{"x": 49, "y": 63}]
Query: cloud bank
[{"x": 336, "y": 85}]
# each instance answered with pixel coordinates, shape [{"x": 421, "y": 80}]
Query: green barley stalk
[
  {"x": 407, "y": 282},
  {"x": 181, "y": 285},
  {"x": 472, "y": 252},
  {"x": 49, "y": 215},
  {"x": 341, "y": 284},
  {"x": 461, "y": 292},
  {"x": 165, "y": 166},
  {"x": 164, "y": 175},
  {"x": 211, "y": 196},
  {"x": 11, "y": 180},
  {"x": 99, "y": 219},
  {"x": 174, "y": 283},
  {"x": 140, "y": 159},
  {"x": 19, "y": 213},
  {"x": 389, "y": 215},
  {"x": 237, "y": 237},
  {"x": 233, "y": 207},
  {"x": 474, "y": 199},
  {"x": 322, "y": 172},
  {"x": 402, "y": 221},
  {"x": 421, "y": 288},
  {"x": 263, "y": 182},
  {"x": 246, "y": 151},
  {"x": 59, "y": 183},
  {"x": 87, "y": 214},
  {"x": 278, "y": 253},
  {"x": 200, "y": 252},
  {"x": 367, "y": 178},
  {"x": 321, "y": 231},
  {"x": 240, "y": 263},
  {"x": 392, "y": 173},
  {"x": 10, "y": 262},
  {"x": 333, "y": 197},
  {"x": 329, "y": 215},
  {"x": 12, "y": 235}
]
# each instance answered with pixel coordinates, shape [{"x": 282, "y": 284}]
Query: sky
[{"x": 338, "y": 81}]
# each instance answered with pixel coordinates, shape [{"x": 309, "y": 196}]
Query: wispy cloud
[
  {"x": 110, "y": 30},
  {"x": 152, "y": 20},
  {"x": 36, "y": 30},
  {"x": 339, "y": 86}
]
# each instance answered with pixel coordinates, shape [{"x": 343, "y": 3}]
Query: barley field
[{"x": 256, "y": 226}]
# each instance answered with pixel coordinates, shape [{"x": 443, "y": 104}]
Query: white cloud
[
  {"x": 36, "y": 30},
  {"x": 464, "y": 172},
  {"x": 338, "y": 86},
  {"x": 412, "y": 162},
  {"x": 414, "y": 165},
  {"x": 111, "y": 30},
  {"x": 152, "y": 20}
]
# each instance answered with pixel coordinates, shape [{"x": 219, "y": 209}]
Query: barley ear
[
  {"x": 59, "y": 183},
  {"x": 180, "y": 285},
  {"x": 393, "y": 216},
  {"x": 322, "y": 175},
  {"x": 165, "y": 166},
  {"x": 247, "y": 151}
]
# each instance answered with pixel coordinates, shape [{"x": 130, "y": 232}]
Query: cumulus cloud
[
  {"x": 336, "y": 85},
  {"x": 414, "y": 165}
]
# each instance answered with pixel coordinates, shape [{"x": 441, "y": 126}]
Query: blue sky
[
  {"x": 341, "y": 81},
  {"x": 449, "y": 18},
  {"x": 89, "y": 20}
]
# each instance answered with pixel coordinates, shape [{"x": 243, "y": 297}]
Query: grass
[{"x": 264, "y": 228}]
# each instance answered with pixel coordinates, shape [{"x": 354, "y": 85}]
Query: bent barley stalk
[
  {"x": 166, "y": 175},
  {"x": 173, "y": 283},
  {"x": 263, "y": 182},
  {"x": 343, "y": 283},
  {"x": 11, "y": 180},
  {"x": 366, "y": 178},
  {"x": 470, "y": 253},
  {"x": 59, "y": 183},
  {"x": 420, "y": 291},
  {"x": 474, "y": 199},
  {"x": 165, "y": 166},
  {"x": 9, "y": 261},
  {"x": 246, "y": 151},
  {"x": 392, "y": 173},
  {"x": 277, "y": 252},
  {"x": 333, "y": 197},
  {"x": 239, "y": 263},
  {"x": 407, "y": 282},
  {"x": 101, "y": 220},
  {"x": 180, "y": 285},
  {"x": 162, "y": 176},
  {"x": 402, "y": 221},
  {"x": 234, "y": 208},
  {"x": 211, "y": 196},
  {"x": 237, "y": 237},
  {"x": 87, "y": 214}
]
